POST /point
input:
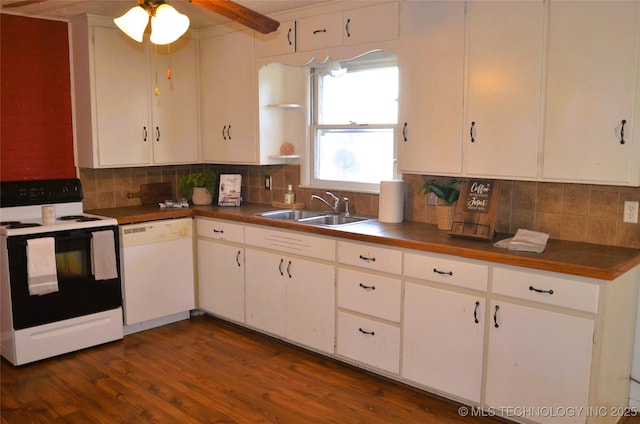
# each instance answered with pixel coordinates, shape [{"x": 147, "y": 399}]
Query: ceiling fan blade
[
  {"x": 241, "y": 14},
  {"x": 21, "y": 3}
]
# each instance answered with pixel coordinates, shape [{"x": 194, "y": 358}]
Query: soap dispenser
[{"x": 290, "y": 196}]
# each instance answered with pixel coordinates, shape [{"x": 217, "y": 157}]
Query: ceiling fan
[{"x": 227, "y": 8}]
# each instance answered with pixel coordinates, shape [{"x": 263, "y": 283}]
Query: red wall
[{"x": 36, "y": 131}]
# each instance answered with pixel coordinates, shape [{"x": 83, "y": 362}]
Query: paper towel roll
[{"x": 391, "y": 204}]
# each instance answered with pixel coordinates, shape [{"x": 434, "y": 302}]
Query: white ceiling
[{"x": 200, "y": 18}]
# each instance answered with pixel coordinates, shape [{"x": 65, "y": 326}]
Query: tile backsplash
[{"x": 577, "y": 212}]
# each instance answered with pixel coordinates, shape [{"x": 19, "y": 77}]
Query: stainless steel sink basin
[
  {"x": 291, "y": 214},
  {"x": 333, "y": 220},
  {"x": 310, "y": 217}
]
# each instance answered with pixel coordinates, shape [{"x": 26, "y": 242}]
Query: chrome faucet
[{"x": 335, "y": 198}]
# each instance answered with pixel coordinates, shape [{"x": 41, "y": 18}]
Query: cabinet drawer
[
  {"x": 370, "y": 257},
  {"x": 368, "y": 341},
  {"x": 291, "y": 242},
  {"x": 318, "y": 32},
  {"x": 439, "y": 269},
  {"x": 543, "y": 288},
  {"x": 369, "y": 294},
  {"x": 219, "y": 230}
]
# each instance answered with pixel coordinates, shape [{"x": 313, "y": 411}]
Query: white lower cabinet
[
  {"x": 369, "y": 341},
  {"x": 220, "y": 268},
  {"x": 538, "y": 359},
  {"x": 443, "y": 340},
  {"x": 369, "y": 305},
  {"x": 288, "y": 295}
]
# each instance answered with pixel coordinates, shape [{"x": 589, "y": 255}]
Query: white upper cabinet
[
  {"x": 119, "y": 119},
  {"x": 370, "y": 24},
  {"x": 503, "y": 77},
  {"x": 430, "y": 60},
  {"x": 591, "y": 90},
  {"x": 228, "y": 98},
  {"x": 122, "y": 108},
  {"x": 318, "y": 32},
  {"x": 174, "y": 108},
  {"x": 281, "y": 41}
]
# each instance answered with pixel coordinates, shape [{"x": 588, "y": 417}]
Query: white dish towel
[
  {"x": 525, "y": 241},
  {"x": 103, "y": 255},
  {"x": 41, "y": 266}
]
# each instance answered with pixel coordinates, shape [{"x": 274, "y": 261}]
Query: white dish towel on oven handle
[
  {"x": 42, "y": 275},
  {"x": 103, "y": 255}
]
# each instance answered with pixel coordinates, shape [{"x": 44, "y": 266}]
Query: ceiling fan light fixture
[
  {"x": 133, "y": 23},
  {"x": 167, "y": 25}
]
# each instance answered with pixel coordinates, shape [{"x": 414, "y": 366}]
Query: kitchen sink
[
  {"x": 291, "y": 214},
  {"x": 333, "y": 220},
  {"x": 319, "y": 218}
]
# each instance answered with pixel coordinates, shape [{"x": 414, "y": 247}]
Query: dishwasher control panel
[{"x": 155, "y": 231}]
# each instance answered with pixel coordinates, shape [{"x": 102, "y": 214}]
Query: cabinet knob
[
  {"x": 144, "y": 133},
  {"x": 475, "y": 313},
  {"x": 495, "y": 317},
  {"x": 622, "y": 123},
  {"x": 472, "y": 131},
  {"x": 347, "y": 29}
]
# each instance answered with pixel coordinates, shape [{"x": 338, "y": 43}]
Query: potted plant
[
  {"x": 447, "y": 195},
  {"x": 199, "y": 187}
]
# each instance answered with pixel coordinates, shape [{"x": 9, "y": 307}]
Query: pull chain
[
  {"x": 155, "y": 56},
  {"x": 169, "y": 61}
]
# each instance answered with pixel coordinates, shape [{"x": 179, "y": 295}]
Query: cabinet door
[
  {"x": 228, "y": 102},
  {"x": 370, "y": 24},
  {"x": 310, "y": 304},
  {"x": 266, "y": 291},
  {"x": 592, "y": 59},
  {"x": 175, "y": 108},
  {"x": 122, "y": 96},
  {"x": 430, "y": 62},
  {"x": 279, "y": 42},
  {"x": 502, "y": 105},
  {"x": 443, "y": 340},
  {"x": 538, "y": 358},
  {"x": 318, "y": 32},
  {"x": 221, "y": 279}
]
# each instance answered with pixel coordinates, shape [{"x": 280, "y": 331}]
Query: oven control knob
[{"x": 183, "y": 232}]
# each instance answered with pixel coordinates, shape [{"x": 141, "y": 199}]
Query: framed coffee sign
[{"x": 476, "y": 211}]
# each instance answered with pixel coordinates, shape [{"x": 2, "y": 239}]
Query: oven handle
[{"x": 84, "y": 234}]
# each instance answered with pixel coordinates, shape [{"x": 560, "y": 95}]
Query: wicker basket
[{"x": 444, "y": 214}]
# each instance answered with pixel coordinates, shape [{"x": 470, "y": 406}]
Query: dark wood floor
[{"x": 205, "y": 370}]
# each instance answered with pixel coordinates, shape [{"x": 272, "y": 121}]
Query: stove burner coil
[{"x": 78, "y": 218}]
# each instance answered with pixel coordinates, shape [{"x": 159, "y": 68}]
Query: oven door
[{"x": 79, "y": 293}]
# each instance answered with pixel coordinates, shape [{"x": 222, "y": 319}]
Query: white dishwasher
[{"x": 157, "y": 273}]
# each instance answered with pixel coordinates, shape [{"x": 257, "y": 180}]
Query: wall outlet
[
  {"x": 630, "y": 212},
  {"x": 267, "y": 182}
]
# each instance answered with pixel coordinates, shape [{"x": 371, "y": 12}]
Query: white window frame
[{"x": 308, "y": 165}]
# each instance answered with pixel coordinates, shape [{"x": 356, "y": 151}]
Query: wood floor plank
[{"x": 205, "y": 370}]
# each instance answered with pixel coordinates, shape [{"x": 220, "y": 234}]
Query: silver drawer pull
[
  {"x": 367, "y": 287},
  {"x": 531, "y": 288}
]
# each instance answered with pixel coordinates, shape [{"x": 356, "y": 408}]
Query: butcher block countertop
[{"x": 581, "y": 259}]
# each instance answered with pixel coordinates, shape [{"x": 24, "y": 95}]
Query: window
[{"x": 354, "y": 120}]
